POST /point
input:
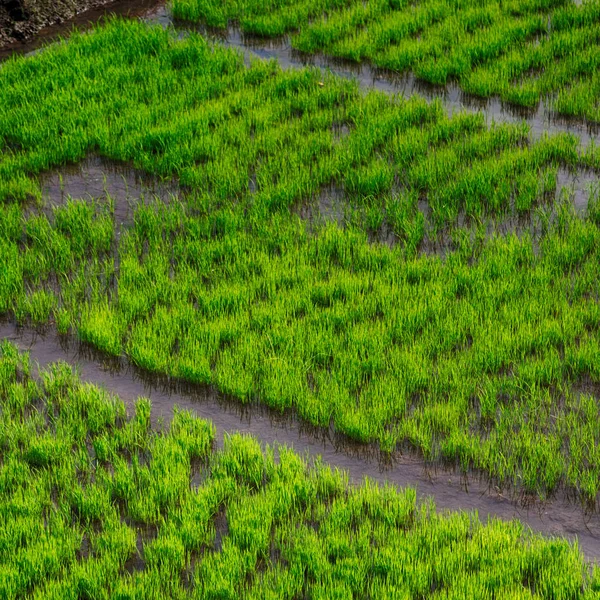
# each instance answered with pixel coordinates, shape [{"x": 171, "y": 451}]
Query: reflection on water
[{"x": 97, "y": 177}]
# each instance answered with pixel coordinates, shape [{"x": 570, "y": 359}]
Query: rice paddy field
[
  {"x": 417, "y": 281},
  {"x": 522, "y": 51},
  {"x": 96, "y": 504}
]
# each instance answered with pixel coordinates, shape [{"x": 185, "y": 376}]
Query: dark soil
[{"x": 22, "y": 19}]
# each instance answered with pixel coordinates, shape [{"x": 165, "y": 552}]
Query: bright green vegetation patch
[
  {"x": 275, "y": 139},
  {"x": 521, "y": 51},
  {"x": 486, "y": 359},
  {"x": 94, "y": 504}
]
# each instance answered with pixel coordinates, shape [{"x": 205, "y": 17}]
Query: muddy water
[
  {"x": 579, "y": 185},
  {"x": 97, "y": 177},
  {"x": 333, "y": 205},
  {"x": 451, "y": 491},
  {"x": 541, "y": 120}
]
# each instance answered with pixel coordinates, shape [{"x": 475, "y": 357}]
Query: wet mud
[
  {"x": 99, "y": 178},
  {"x": 450, "y": 490},
  {"x": 56, "y": 24},
  {"x": 22, "y": 19}
]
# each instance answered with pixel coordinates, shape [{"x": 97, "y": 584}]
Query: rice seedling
[
  {"x": 520, "y": 51},
  {"x": 260, "y": 132},
  {"x": 96, "y": 503},
  {"x": 476, "y": 360}
]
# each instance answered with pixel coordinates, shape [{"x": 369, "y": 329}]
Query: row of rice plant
[
  {"x": 193, "y": 111},
  {"x": 520, "y": 51},
  {"x": 486, "y": 359},
  {"x": 95, "y": 503}
]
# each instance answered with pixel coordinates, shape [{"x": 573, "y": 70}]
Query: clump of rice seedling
[{"x": 79, "y": 524}]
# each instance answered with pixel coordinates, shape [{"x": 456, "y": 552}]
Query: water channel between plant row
[
  {"x": 98, "y": 178},
  {"x": 450, "y": 490},
  {"x": 541, "y": 120}
]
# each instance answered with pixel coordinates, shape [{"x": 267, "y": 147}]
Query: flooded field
[
  {"x": 138, "y": 509},
  {"x": 521, "y": 54},
  {"x": 449, "y": 489},
  {"x": 540, "y": 118},
  {"x": 96, "y": 179},
  {"x": 279, "y": 267}
]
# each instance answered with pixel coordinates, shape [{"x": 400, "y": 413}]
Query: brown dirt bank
[{"x": 22, "y": 20}]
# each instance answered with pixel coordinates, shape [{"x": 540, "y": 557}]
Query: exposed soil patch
[
  {"x": 22, "y": 19},
  {"x": 27, "y": 24}
]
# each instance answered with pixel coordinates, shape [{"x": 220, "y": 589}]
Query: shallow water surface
[
  {"x": 541, "y": 119},
  {"x": 333, "y": 205},
  {"x": 450, "y": 490},
  {"x": 97, "y": 177}
]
